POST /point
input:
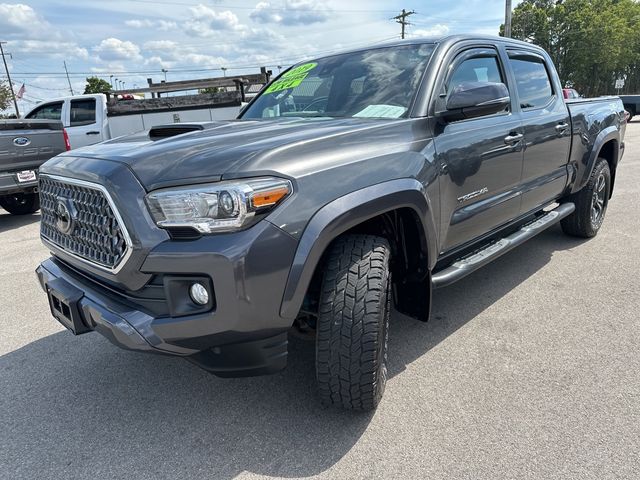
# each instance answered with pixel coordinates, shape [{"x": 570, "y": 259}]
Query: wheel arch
[
  {"x": 369, "y": 210},
  {"x": 609, "y": 151},
  {"x": 607, "y": 146}
]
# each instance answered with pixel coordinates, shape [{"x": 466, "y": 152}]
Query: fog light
[{"x": 199, "y": 294}]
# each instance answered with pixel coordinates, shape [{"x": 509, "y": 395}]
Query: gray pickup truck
[
  {"x": 24, "y": 146},
  {"x": 353, "y": 184}
]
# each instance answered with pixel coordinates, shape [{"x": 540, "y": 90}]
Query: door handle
[
  {"x": 561, "y": 127},
  {"x": 513, "y": 139},
  {"x": 93, "y": 132}
]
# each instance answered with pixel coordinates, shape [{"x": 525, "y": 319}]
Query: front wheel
[
  {"x": 353, "y": 323},
  {"x": 20, "y": 203},
  {"x": 591, "y": 203}
]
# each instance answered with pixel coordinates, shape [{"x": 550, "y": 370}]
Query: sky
[{"x": 135, "y": 39}]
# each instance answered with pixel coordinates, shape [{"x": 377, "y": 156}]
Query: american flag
[{"x": 20, "y": 92}]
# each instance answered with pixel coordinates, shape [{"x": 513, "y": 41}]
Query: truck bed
[{"x": 590, "y": 118}]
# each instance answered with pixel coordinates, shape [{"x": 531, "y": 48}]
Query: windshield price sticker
[{"x": 292, "y": 78}]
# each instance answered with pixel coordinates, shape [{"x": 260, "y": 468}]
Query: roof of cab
[{"x": 450, "y": 39}]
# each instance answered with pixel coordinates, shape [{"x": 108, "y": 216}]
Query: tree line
[{"x": 592, "y": 42}]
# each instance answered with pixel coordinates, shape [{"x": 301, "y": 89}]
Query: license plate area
[
  {"x": 63, "y": 302},
  {"x": 26, "y": 176}
]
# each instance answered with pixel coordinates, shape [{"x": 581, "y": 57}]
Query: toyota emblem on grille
[{"x": 64, "y": 218}]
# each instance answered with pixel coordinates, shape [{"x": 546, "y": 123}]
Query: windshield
[{"x": 376, "y": 83}]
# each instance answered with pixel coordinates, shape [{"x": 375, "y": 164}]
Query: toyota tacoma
[{"x": 353, "y": 184}]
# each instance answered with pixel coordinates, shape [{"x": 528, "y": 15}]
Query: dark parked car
[
  {"x": 631, "y": 104},
  {"x": 351, "y": 184}
]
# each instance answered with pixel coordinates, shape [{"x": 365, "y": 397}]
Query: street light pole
[
  {"x": 507, "y": 19},
  {"x": 164, "y": 70},
  {"x": 15, "y": 102}
]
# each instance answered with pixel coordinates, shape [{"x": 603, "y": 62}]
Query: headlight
[{"x": 217, "y": 207}]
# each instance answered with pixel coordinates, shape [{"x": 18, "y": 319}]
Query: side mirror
[{"x": 475, "y": 99}]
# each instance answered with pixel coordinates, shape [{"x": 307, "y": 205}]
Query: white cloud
[
  {"x": 205, "y": 21},
  {"x": 50, "y": 48},
  {"x": 294, "y": 12},
  {"x": 160, "y": 45},
  {"x": 435, "y": 31},
  {"x": 111, "y": 49},
  {"x": 162, "y": 25},
  {"x": 18, "y": 19}
]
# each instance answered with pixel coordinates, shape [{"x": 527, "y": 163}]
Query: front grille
[{"x": 94, "y": 232}]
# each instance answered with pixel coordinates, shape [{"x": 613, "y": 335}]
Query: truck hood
[{"x": 227, "y": 149}]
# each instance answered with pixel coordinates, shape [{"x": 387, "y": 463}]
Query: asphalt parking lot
[{"x": 530, "y": 368}]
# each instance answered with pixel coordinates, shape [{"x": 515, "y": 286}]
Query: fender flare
[
  {"x": 606, "y": 135},
  {"x": 344, "y": 213}
]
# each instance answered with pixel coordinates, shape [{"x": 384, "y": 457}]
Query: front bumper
[{"x": 242, "y": 335}]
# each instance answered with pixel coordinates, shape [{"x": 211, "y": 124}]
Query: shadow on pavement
[
  {"x": 81, "y": 408},
  {"x": 9, "y": 222}
]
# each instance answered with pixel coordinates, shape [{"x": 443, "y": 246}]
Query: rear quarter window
[
  {"x": 83, "y": 112},
  {"x": 532, "y": 82},
  {"x": 50, "y": 111}
]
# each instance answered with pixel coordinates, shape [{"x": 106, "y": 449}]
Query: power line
[
  {"x": 270, "y": 9},
  {"x": 271, "y": 62},
  {"x": 402, "y": 20}
]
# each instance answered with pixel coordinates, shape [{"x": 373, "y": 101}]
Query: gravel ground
[{"x": 528, "y": 369}]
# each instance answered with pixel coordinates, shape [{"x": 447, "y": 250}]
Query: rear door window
[
  {"x": 50, "y": 111},
  {"x": 83, "y": 112},
  {"x": 532, "y": 80}
]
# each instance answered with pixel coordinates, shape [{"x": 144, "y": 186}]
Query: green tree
[
  {"x": 5, "y": 96},
  {"x": 592, "y": 42},
  {"x": 97, "y": 85}
]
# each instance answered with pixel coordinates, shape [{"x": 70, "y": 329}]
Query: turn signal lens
[{"x": 269, "y": 197}]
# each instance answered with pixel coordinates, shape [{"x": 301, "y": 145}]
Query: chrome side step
[{"x": 463, "y": 267}]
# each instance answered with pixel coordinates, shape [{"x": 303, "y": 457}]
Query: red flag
[{"x": 20, "y": 92}]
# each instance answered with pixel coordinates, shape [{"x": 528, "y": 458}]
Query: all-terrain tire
[
  {"x": 591, "y": 203},
  {"x": 353, "y": 323},
  {"x": 20, "y": 203}
]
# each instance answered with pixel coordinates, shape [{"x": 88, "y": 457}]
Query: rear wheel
[
  {"x": 353, "y": 323},
  {"x": 591, "y": 203},
  {"x": 20, "y": 203}
]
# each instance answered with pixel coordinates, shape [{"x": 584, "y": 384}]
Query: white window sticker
[{"x": 381, "y": 111}]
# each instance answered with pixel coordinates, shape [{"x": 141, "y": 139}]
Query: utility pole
[
  {"x": 402, "y": 20},
  {"x": 4, "y": 60},
  {"x": 507, "y": 19},
  {"x": 68, "y": 80}
]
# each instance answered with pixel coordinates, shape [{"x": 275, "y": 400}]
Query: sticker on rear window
[{"x": 292, "y": 78}]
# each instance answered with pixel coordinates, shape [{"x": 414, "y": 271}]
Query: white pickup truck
[{"x": 88, "y": 119}]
